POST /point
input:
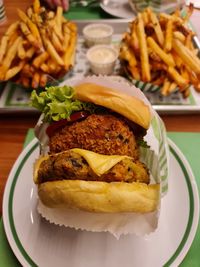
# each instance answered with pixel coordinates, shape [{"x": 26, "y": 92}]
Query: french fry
[
  {"x": 186, "y": 55},
  {"x": 21, "y": 51},
  {"x": 50, "y": 15},
  {"x": 181, "y": 81},
  {"x": 178, "y": 35},
  {"x": 56, "y": 43},
  {"x": 144, "y": 58},
  {"x": 30, "y": 52},
  {"x": 186, "y": 93},
  {"x": 36, "y": 6},
  {"x": 37, "y": 62},
  {"x": 36, "y": 80},
  {"x": 165, "y": 87},
  {"x": 195, "y": 51},
  {"x": 59, "y": 14},
  {"x": 183, "y": 29},
  {"x": 134, "y": 72},
  {"x": 128, "y": 55},
  {"x": 3, "y": 46},
  {"x": 159, "y": 66},
  {"x": 30, "y": 12},
  {"x": 43, "y": 80},
  {"x": 53, "y": 53},
  {"x": 178, "y": 61},
  {"x": 12, "y": 38},
  {"x": 33, "y": 28},
  {"x": 57, "y": 30},
  {"x": 66, "y": 33},
  {"x": 167, "y": 17},
  {"x": 134, "y": 39},
  {"x": 168, "y": 36},
  {"x": 172, "y": 88},
  {"x": 157, "y": 27},
  {"x": 159, "y": 51},
  {"x": 184, "y": 73},
  {"x": 52, "y": 65},
  {"x": 42, "y": 9},
  {"x": 4, "y": 41},
  {"x": 153, "y": 55},
  {"x": 68, "y": 57},
  {"x": 13, "y": 71},
  {"x": 188, "y": 41},
  {"x": 25, "y": 30},
  {"x": 145, "y": 17},
  {"x": 12, "y": 28},
  {"x": 10, "y": 55},
  {"x": 188, "y": 13},
  {"x": 177, "y": 13},
  {"x": 45, "y": 68},
  {"x": 72, "y": 26},
  {"x": 195, "y": 80},
  {"x": 72, "y": 59}
]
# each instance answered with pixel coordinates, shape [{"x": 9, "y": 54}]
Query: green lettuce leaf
[
  {"x": 141, "y": 142},
  {"x": 58, "y": 103}
]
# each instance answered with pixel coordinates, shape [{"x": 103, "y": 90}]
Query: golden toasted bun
[
  {"x": 100, "y": 196},
  {"x": 129, "y": 106}
]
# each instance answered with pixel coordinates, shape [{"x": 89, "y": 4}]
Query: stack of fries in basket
[
  {"x": 39, "y": 45},
  {"x": 159, "y": 49}
]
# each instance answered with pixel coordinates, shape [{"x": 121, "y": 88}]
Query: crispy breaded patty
[
  {"x": 103, "y": 134},
  {"x": 71, "y": 166}
]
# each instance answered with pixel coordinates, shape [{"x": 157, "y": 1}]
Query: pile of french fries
[
  {"x": 159, "y": 49},
  {"x": 38, "y": 47}
]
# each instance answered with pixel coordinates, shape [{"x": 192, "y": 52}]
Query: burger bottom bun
[{"x": 100, "y": 196}]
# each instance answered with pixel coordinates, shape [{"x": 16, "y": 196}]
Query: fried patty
[
  {"x": 71, "y": 166},
  {"x": 103, "y": 134}
]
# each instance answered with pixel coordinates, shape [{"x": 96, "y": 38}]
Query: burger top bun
[{"x": 129, "y": 106}]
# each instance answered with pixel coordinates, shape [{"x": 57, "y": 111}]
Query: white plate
[
  {"x": 118, "y": 8},
  {"x": 37, "y": 242}
]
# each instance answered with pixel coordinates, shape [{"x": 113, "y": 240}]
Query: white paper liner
[{"x": 115, "y": 223}]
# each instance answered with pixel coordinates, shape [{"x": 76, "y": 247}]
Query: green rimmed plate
[{"x": 36, "y": 242}]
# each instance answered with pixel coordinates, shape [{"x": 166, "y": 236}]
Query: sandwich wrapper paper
[{"x": 156, "y": 158}]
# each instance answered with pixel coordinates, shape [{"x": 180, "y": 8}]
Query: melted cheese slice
[{"x": 99, "y": 163}]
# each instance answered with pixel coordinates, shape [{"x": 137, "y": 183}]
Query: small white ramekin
[
  {"x": 105, "y": 59},
  {"x": 97, "y": 34}
]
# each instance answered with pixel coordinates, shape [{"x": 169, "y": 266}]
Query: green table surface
[{"x": 189, "y": 143}]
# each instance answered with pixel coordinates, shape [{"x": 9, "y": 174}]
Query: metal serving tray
[{"x": 16, "y": 99}]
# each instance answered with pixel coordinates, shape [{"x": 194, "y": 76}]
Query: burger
[{"x": 93, "y": 160}]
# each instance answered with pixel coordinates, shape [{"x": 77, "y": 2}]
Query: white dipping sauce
[
  {"x": 102, "y": 55},
  {"x": 97, "y": 32}
]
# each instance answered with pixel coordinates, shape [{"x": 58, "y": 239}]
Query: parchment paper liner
[{"x": 119, "y": 223}]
